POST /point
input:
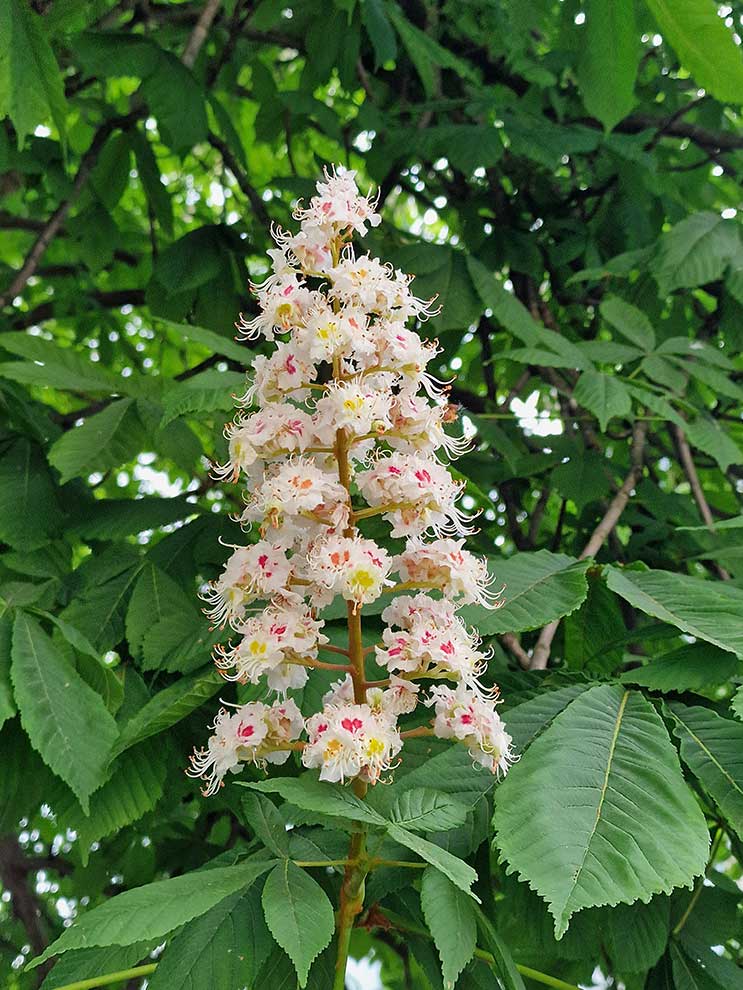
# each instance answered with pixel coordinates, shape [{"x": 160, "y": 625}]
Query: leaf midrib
[
  {"x": 602, "y": 796},
  {"x": 733, "y": 783}
]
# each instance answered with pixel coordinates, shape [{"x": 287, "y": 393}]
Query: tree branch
[
  {"x": 690, "y": 470},
  {"x": 541, "y": 653},
  {"x": 250, "y": 192},
  {"x": 122, "y": 122},
  {"x": 200, "y": 32}
]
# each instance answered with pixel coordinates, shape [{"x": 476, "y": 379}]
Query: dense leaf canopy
[{"x": 564, "y": 175}]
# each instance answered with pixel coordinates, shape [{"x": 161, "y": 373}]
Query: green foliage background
[{"x": 565, "y": 176}]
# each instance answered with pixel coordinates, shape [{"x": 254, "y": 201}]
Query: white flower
[
  {"x": 352, "y": 567},
  {"x": 285, "y": 373},
  {"x": 432, "y": 640},
  {"x": 463, "y": 715},
  {"x": 298, "y": 500},
  {"x": 276, "y": 430},
  {"x": 283, "y": 302},
  {"x": 338, "y": 206},
  {"x": 446, "y": 565},
  {"x": 273, "y": 643},
  {"x": 258, "y": 571},
  {"x": 419, "y": 491},
  {"x": 355, "y": 406},
  {"x": 254, "y": 733},
  {"x": 349, "y": 740}
]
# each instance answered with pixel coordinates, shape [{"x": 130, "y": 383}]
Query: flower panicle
[{"x": 344, "y": 410}]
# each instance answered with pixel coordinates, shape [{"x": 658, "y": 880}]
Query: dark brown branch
[
  {"x": 15, "y": 871},
  {"x": 54, "y": 223},
  {"x": 250, "y": 192}
]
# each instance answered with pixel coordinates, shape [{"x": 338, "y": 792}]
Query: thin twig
[
  {"x": 199, "y": 34},
  {"x": 690, "y": 470},
  {"x": 541, "y": 654},
  {"x": 251, "y": 193}
]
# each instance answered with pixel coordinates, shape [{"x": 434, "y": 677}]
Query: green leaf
[
  {"x": 737, "y": 703},
  {"x": 380, "y": 31},
  {"x": 313, "y": 795},
  {"x": 29, "y": 511},
  {"x": 98, "y": 610},
  {"x": 710, "y": 610},
  {"x": 134, "y": 789},
  {"x": 586, "y": 814},
  {"x": 265, "y": 820},
  {"x": 210, "y": 391},
  {"x": 149, "y": 175},
  {"x": 425, "y": 52},
  {"x": 168, "y": 707},
  {"x": 583, "y": 478},
  {"x": 114, "y": 518},
  {"x": 712, "y": 748},
  {"x": 216, "y": 343},
  {"x": 630, "y": 321},
  {"x": 7, "y": 702},
  {"x": 86, "y": 964},
  {"x": 539, "y": 587},
  {"x": 425, "y": 810},
  {"x": 608, "y": 65},
  {"x": 604, "y": 395},
  {"x": 688, "y": 974},
  {"x": 525, "y": 721},
  {"x": 298, "y": 914},
  {"x": 505, "y": 967},
  {"x": 709, "y": 437},
  {"x": 156, "y": 597},
  {"x": 699, "y": 248},
  {"x": 153, "y": 911},
  {"x": 690, "y": 668},
  {"x": 58, "y": 367},
  {"x": 452, "y": 920},
  {"x": 66, "y": 721},
  {"x": 637, "y": 934},
  {"x": 223, "y": 948},
  {"x": 103, "y": 441},
  {"x": 460, "y": 873},
  {"x": 449, "y": 771},
  {"x": 31, "y": 87},
  {"x": 177, "y": 101},
  {"x": 704, "y": 45}
]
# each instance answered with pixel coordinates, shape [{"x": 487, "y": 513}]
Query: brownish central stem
[{"x": 352, "y": 890}]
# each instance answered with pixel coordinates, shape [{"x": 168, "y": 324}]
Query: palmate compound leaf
[
  {"x": 452, "y": 920},
  {"x": 597, "y": 812},
  {"x": 66, "y": 721},
  {"x": 299, "y": 915},
  {"x": 712, "y": 748},
  {"x": 153, "y": 911}
]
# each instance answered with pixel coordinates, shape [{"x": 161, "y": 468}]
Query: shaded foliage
[{"x": 566, "y": 177}]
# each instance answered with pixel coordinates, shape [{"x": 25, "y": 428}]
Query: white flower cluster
[{"x": 344, "y": 409}]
